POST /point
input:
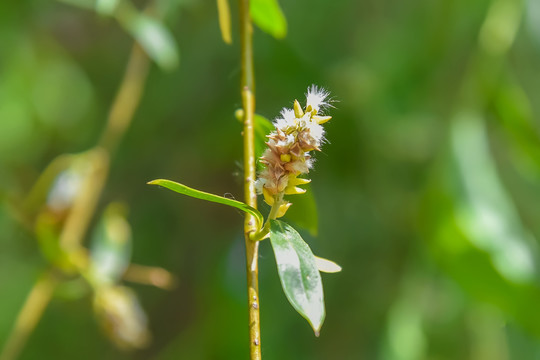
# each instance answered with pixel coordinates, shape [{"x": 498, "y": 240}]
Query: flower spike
[{"x": 297, "y": 132}]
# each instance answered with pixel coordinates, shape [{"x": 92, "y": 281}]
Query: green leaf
[
  {"x": 106, "y": 7},
  {"x": 267, "y": 15},
  {"x": 111, "y": 245},
  {"x": 224, "y": 12},
  {"x": 303, "y": 212},
  {"x": 183, "y": 189},
  {"x": 516, "y": 118},
  {"x": 47, "y": 233},
  {"x": 487, "y": 213},
  {"x": 298, "y": 273},
  {"x": 486, "y": 261},
  {"x": 151, "y": 34},
  {"x": 474, "y": 271}
]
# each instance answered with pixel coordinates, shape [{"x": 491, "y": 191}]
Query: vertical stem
[
  {"x": 127, "y": 99},
  {"x": 29, "y": 316},
  {"x": 120, "y": 116},
  {"x": 252, "y": 247},
  {"x": 84, "y": 206}
]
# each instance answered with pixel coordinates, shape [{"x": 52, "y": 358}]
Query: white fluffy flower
[
  {"x": 286, "y": 121},
  {"x": 317, "y": 98},
  {"x": 298, "y": 131},
  {"x": 316, "y": 131}
]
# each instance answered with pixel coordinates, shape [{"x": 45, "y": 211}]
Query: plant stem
[
  {"x": 29, "y": 316},
  {"x": 274, "y": 210},
  {"x": 150, "y": 275},
  {"x": 84, "y": 206},
  {"x": 252, "y": 247},
  {"x": 263, "y": 232},
  {"x": 122, "y": 110},
  {"x": 127, "y": 99}
]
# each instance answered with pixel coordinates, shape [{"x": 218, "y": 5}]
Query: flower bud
[{"x": 283, "y": 209}]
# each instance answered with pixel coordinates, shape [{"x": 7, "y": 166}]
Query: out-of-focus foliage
[
  {"x": 148, "y": 31},
  {"x": 110, "y": 247},
  {"x": 224, "y": 11},
  {"x": 428, "y": 193},
  {"x": 268, "y": 16}
]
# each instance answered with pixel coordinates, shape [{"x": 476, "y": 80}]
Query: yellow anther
[
  {"x": 298, "y": 112},
  {"x": 285, "y": 157},
  {"x": 320, "y": 119}
]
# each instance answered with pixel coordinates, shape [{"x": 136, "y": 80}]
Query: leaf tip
[
  {"x": 317, "y": 326},
  {"x": 327, "y": 266},
  {"x": 281, "y": 33},
  {"x": 153, "y": 182}
]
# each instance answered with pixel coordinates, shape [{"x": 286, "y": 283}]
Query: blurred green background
[{"x": 427, "y": 193}]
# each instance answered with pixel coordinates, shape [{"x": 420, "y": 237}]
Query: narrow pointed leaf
[
  {"x": 224, "y": 12},
  {"x": 183, "y": 189},
  {"x": 298, "y": 272}
]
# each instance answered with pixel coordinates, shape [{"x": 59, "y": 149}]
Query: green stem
[
  {"x": 263, "y": 232},
  {"x": 127, "y": 99},
  {"x": 29, "y": 316},
  {"x": 250, "y": 226},
  {"x": 84, "y": 206},
  {"x": 278, "y": 200},
  {"x": 120, "y": 116}
]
